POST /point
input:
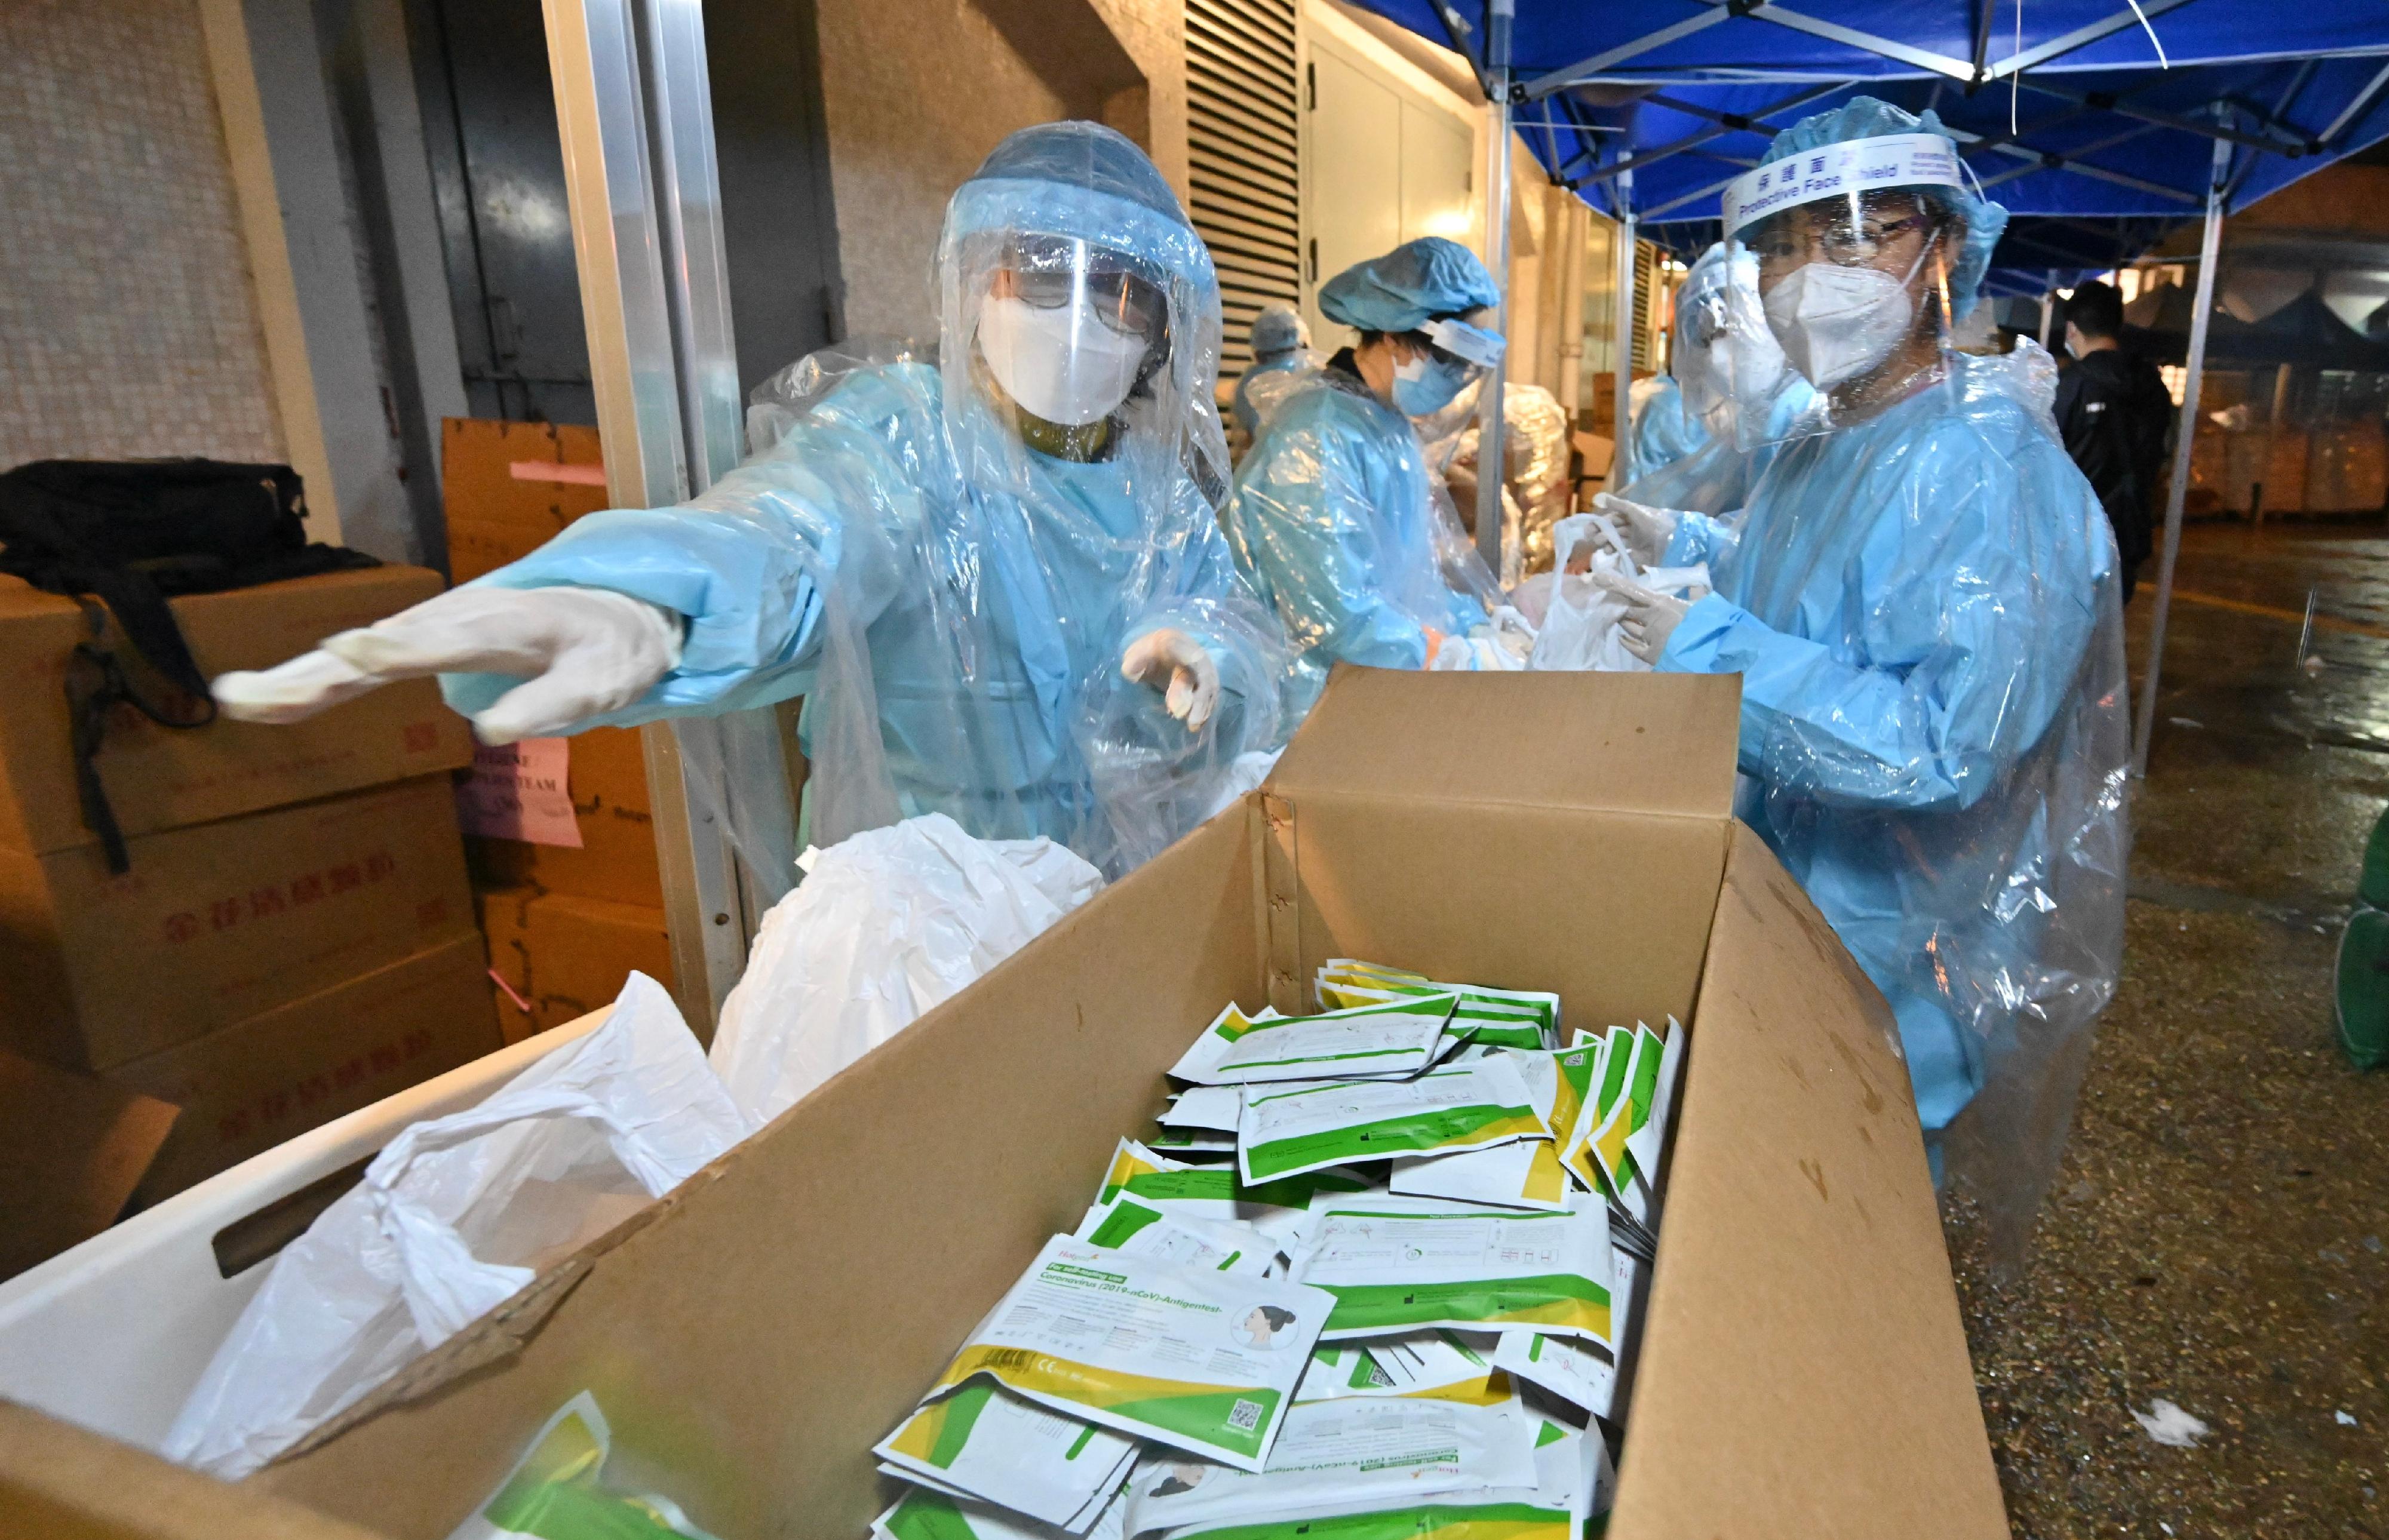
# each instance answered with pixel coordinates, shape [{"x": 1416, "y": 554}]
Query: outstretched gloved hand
[
  {"x": 1173, "y": 662},
  {"x": 1651, "y": 616},
  {"x": 579, "y": 651},
  {"x": 1647, "y": 530}
]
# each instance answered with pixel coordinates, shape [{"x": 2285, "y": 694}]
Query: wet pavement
[{"x": 2219, "y": 1236}]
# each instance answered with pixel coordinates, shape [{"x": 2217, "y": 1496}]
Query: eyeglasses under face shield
[
  {"x": 1863, "y": 230},
  {"x": 1052, "y": 272}
]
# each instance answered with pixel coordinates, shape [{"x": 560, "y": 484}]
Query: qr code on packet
[{"x": 1246, "y": 1415}]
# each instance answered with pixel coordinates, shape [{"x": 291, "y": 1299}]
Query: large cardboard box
[
  {"x": 158, "y": 778},
  {"x": 71, "y": 1150},
  {"x": 219, "y": 922},
  {"x": 566, "y": 956},
  {"x": 1802, "y": 1368},
  {"x": 607, "y": 775},
  {"x": 249, "y": 1087}
]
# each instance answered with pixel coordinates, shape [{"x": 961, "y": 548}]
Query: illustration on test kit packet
[
  {"x": 1400, "y": 1035},
  {"x": 1342, "y": 1456},
  {"x": 1398, "y": 1264},
  {"x": 987, "y": 1445},
  {"x": 1203, "y": 1361},
  {"x": 1464, "y": 1105}
]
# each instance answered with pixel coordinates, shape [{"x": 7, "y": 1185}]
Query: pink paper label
[{"x": 520, "y": 790}]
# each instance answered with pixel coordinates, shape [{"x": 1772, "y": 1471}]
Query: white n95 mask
[
  {"x": 1064, "y": 364},
  {"x": 1838, "y": 321}
]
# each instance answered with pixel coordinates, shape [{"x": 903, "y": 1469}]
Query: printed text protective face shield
[{"x": 1864, "y": 246}]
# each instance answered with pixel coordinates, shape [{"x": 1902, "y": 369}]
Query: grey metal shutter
[{"x": 1242, "y": 139}]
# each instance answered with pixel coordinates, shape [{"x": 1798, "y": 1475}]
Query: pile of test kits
[{"x": 1370, "y": 1282}]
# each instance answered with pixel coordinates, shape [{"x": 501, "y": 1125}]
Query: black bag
[{"x": 132, "y": 534}]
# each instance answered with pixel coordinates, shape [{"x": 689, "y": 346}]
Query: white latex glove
[
  {"x": 1182, "y": 667},
  {"x": 1651, "y": 616},
  {"x": 580, "y": 651},
  {"x": 1647, "y": 529}
]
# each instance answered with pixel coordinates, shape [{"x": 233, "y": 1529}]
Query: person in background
[
  {"x": 1659, "y": 429},
  {"x": 1535, "y": 486},
  {"x": 1281, "y": 346},
  {"x": 1922, "y": 603},
  {"x": 1335, "y": 518},
  {"x": 998, "y": 580},
  {"x": 2113, "y": 410}
]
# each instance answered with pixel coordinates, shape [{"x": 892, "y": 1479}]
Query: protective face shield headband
[{"x": 1068, "y": 330}]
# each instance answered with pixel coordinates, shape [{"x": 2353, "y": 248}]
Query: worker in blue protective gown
[
  {"x": 1725, "y": 357},
  {"x": 997, "y": 578},
  {"x": 1922, "y": 600},
  {"x": 1661, "y": 425},
  {"x": 1334, "y": 517},
  {"x": 1280, "y": 348}
]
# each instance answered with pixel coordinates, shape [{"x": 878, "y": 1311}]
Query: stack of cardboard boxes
[
  {"x": 294, "y": 936},
  {"x": 565, "y": 924}
]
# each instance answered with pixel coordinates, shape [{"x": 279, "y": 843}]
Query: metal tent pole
[
  {"x": 1622, "y": 351},
  {"x": 1490, "y": 463},
  {"x": 2195, "y": 364},
  {"x": 634, "y": 108}
]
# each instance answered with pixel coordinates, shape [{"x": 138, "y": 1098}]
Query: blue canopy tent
[{"x": 2097, "y": 123}]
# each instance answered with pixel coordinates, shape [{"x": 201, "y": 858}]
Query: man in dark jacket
[{"x": 2112, "y": 409}]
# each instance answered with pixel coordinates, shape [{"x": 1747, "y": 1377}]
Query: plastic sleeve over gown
[
  {"x": 1925, "y": 610},
  {"x": 1333, "y": 520}
]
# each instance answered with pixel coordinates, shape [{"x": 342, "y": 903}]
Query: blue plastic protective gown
[
  {"x": 1261, "y": 387},
  {"x": 1716, "y": 478},
  {"x": 1335, "y": 522},
  {"x": 952, "y": 604},
  {"x": 1925, "y": 610},
  {"x": 1659, "y": 432}
]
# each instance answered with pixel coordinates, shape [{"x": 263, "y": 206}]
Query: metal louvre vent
[
  {"x": 1243, "y": 128},
  {"x": 1646, "y": 298}
]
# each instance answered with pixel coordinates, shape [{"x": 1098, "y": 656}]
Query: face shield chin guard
[{"x": 1822, "y": 231}]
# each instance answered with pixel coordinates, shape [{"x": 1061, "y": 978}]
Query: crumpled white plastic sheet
[
  {"x": 454, "y": 1216},
  {"x": 886, "y": 924}
]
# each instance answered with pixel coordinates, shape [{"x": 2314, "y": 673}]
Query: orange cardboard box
[
  {"x": 608, "y": 776},
  {"x": 160, "y": 778},
  {"x": 250, "y": 1085},
  {"x": 218, "y": 922},
  {"x": 566, "y": 955}
]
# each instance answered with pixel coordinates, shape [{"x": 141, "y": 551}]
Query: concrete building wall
[
  {"x": 128, "y": 322},
  {"x": 916, "y": 91}
]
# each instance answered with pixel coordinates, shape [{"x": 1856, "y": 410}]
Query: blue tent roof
[{"x": 2090, "y": 128}]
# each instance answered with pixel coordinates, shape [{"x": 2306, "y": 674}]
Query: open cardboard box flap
[
  {"x": 1642, "y": 743},
  {"x": 1803, "y": 1371}
]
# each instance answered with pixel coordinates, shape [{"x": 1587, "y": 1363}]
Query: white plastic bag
[
  {"x": 1580, "y": 630},
  {"x": 885, "y": 925},
  {"x": 454, "y": 1216}
]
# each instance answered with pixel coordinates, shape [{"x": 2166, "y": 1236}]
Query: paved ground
[{"x": 2220, "y": 1237}]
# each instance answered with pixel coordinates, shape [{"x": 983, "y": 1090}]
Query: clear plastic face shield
[
  {"x": 1852, "y": 258},
  {"x": 1082, "y": 351},
  {"x": 1457, "y": 356}
]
